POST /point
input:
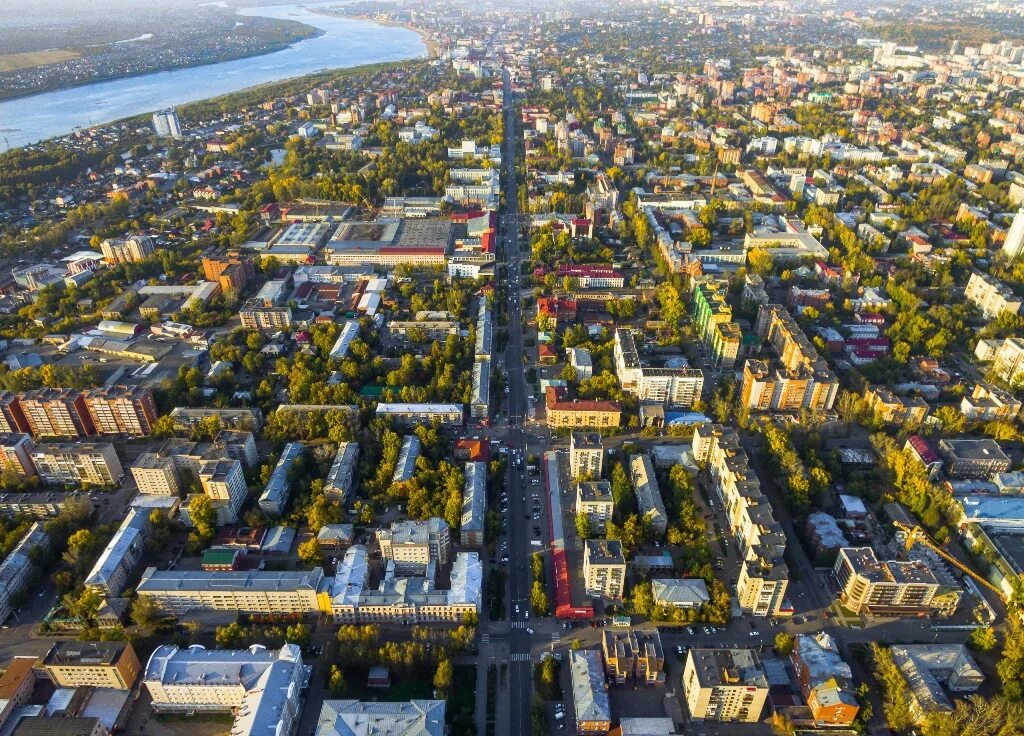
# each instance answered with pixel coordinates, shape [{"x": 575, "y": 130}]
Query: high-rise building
[
  {"x": 54, "y": 412},
  {"x": 890, "y": 588},
  {"x": 16, "y": 455},
  {"x": 586, "y": 454},
  {"x": 725, "y": 685},
  {"x": 127, "y": 410},
  {"x": 74, "y": 463},
  {"x": 166, "y": 124},
  {"x": 129, "y": 249},
  {"x": 1013, "y": 246},
  {"x": 604, "y": 568}
]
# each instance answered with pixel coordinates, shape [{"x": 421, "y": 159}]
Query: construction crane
[{"x": 917, "y": 534}]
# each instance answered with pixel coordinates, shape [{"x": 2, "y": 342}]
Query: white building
[
  {"x": 474, "y": 505},
  {"x": 177, "y": 592},
  {"x": 166, "y": 124},
  {"x": 279, "y": 487},
  {"x": 358, "y": 718},
  {"x": 413, "y": 545},
  {"x": 338, "y": 484},
  {"x": 15, "y": 568},
  {"x": 1013, "y": 246},
  {"x": 121, "y": 556}
]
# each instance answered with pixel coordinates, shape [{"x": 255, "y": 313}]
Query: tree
[
  {"x": 443, "y": 675},
  {"x": 583, "y": 526},
  {"x": 336, "y": 681},
  {"x": 784, "y": 643},
  {"x": 203, "y": 517},
  {"x": 309, "y": 553},
  {"x": 146, "y": 613},
  {"x": 642, "y": 601},
  {"x": 761, "y": 262},
  {"x": 983, "y": 639},
  {"x": 298, "y": 634},
  {"x": 539, "y": 599}
]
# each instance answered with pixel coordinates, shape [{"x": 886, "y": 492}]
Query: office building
[
  {"x": 244, "y": 682},
  {"x": 411, "y": 415},
  {"x": 826, "y": 680},
  {"x": 633, "y": 654},
  {"x": 725, "y": 685},
  {"x": 988, "y": 403},
  {"x": 891, "y": 588},
  {"x": 474, "y": 505},
  {"x": 16, "y": 567},
  {"x": 604, "y": 568},
  {"x": 992, "y": 297},
  {"x": 413, "y": 545},
  {"x": 1013, "y": 246},
  {"x": 156, "y": 474},
  {"x": 973, "y": 458},
  {"x": 594, "y": 500},
  {"x": 586, "y": 455},
  {"x": 931, "y": 669},
  {"x": 279, "y": 487},
  {"x": 129, "y": 249},
  {"x": 591, "y": 705},
  {"x": 166, "y": 124},
  {"x": 338, "y": 484},
  {"x": 358, "y": 718},
  {"x": 121, "y": 556},
  {"x": 76, "y": 463},
  {"x": 176, "y": 592},
  {"x": 648, "y": 494},
  {"x": 92, "y": 664}
]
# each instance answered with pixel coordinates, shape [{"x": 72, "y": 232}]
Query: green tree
[
  {"x": 309, "y": 553},
  {"x": 983, "y": 639},
  {"x": 336, "y": 681},
  {"x": 784, "y": 643},
  {"x": 539, "y": 599},
  {"x": 146, "y": 614},
  {"x": 583, "y": 526},
  {"x": 443, "y": 675}
]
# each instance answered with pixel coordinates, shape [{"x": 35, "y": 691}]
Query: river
[{"x": 344, "y": 43}]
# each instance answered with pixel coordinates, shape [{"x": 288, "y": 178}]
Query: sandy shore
[{"x": 433, "y": 50}]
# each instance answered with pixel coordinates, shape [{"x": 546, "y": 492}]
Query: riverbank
[{"x": 433, "y": 49}]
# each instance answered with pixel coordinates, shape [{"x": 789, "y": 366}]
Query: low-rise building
[
  {"x": 927, "y": 668},
  {"x": 16, "y": 567},
  {"x": 725, "y": 685},
  {"x": 411, "y": 415},
  {"x": 648, "y": 493},
  {"x": 680, "y": 592},
  {"x": 358, "y": 718},
  {"x": 891, "y": 588},
  {"x": 565, "y": 413},
  {"x": 589, "y": 692},
  {"x": 826, "y": 680},
  {"x": 413, "y": 545},
  {"x": 604, "y": 568},
  {"x": 279, "y": 487},
  {"x": 633, "y": 655},
  {"x": 988, "y": 403},
  {"x": 407, "y": 456},
  {"x": 973, "y": 458},
  {"x": 586, "y": 455},
  {"x": 121, "y": 556},
  {"x": 474, "y": 505},
  {"x": 480, "y": 401},
  {"x": 93, "y": 664},
  {"x": 338, "y": 484}
]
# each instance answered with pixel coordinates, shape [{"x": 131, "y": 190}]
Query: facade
[
  {"x": 16, "y": 567},
  {"x": 121, "y": 556},
  {"x": 224, "y": 483},
  {"x": 883, "y": 588},
  {"x": 725, "y": 685},
  {"x": 927, "y": 668},
  {"x": 130, "y": 249},
  {"x": 410, "y": 415},
  {"x": 594, "y": 498},
  {"x": 604, "y": 568},
  {"x": 74, "y": 463},
  {"x": 479, "y": 405},
  {"x": 52, "y": 412},
  {"x": 1008, "y": 361},
  {"x": 92, "y": 663},
  {"x": 648, "y": 494},
  {"x": 16, "y": 455},
  {"x": 355, "y": 718},
  {"x": 339, "y": 479},
  {"x": 176, "y": 592},
  {"x": 1013, "y": 246},
  {"x": 586, "y": 455},
  {"x": 988, "y": 403},
  {"x": 474, "y": 505},
  {"x": 562, "y": 413},
  {"x": 970, "y": 458},
  {"x": 279, "y": 487},
  {"x": 129, "y": 410},
  {"x": 712, "y": 318},
  {"x": 257, "y": 316},
  {"x": 895, "y": 409},
  {"x": 156, "y": 475},
  {"x": 826, "y": 680},
  {"x": 589, "y": 692},
  {"x": 633, "y": 655},
  {"x": 413, "y": 545},
  {"x": 991, "y": 296},
  {"x": 676, "y": 387}
]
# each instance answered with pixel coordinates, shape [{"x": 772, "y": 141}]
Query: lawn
[
  {"x": 461, "y": 709},
  {"x": 403, "y": 687}
]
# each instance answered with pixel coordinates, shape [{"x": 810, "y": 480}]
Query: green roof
[
  {"x": 372, "y": 391},
  {"x": 219, "y": 556}
]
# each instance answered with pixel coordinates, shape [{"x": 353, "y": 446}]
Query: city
[{"x": 645, "y": 370}]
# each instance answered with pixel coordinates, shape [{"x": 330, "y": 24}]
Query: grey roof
[
  {"x": 268, "y": 580},
  {"x": 339, "y": 477},
  {"x": 474, "y": 497},
  {"x": 648, "y": 494},
  {"x": 126, "y": 544},
  {"x": 588, "y": 691},
  {"x": 275, "y": 495},
  {"x": 15, "y": 563},
  {"x": 358, "y": 718},
  {"x": 407, "y": 456},
  {"x": 926, "y": 666},
  {"x": 350, "y": 577},
  {"x": 209, "y": 667},
  {"x": 682, "y": 592}
]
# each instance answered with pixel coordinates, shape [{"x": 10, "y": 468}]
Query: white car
[{"x": 517, "y": 608}]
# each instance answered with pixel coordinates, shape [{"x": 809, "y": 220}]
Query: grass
[
  {"x": 401, "y": 688},
  {"x": 32, "y": 59},
  {"x": 461, "y": 709}
]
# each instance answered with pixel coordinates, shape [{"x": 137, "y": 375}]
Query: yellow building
[{"x": 92, "y": 663}]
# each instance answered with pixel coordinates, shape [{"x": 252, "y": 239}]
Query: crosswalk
[
  {"x": 555, "y": 637},
  {"x": 519, "y": 657},
  {"x": 485, "y": 637},
  {"x": 520, "y": 625}
]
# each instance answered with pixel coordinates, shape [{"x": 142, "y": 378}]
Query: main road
[{"x": 519, "y": 572}]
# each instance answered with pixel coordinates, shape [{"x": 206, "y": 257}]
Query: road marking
[
  {"x": 556, "y": 637},
  {"x": 485, "y": 638},
  {"x": 519, "y": 657}
]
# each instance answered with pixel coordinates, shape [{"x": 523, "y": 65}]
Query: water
[{"x": 344, "y": 43}]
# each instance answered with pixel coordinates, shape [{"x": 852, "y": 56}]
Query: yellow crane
[{"x": 916, "y": 534}]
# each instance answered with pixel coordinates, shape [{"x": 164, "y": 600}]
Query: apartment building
[
  {"x": 12, "y": 418},
  {"x": 122, "y": 554},
  {"x": 156, "y": 474},
  {"x": 712, "y": 318},
  {"x": 279, "y": 487},
  {"x": 92, "y": 664},
  {"x": 130, "y": 249},
  {"x": 764, "y": 577},
  {"x": 129, "y": 410},
  {"x": 338, "y": 484},
  {"x": 565, "y": 413},
  {"x": 930, "y": 670},
  {"x": 1008, "y": 361},
  {"x": 988, "y": 403},
  {"x": 16, "y": 567},
  {"x": 255, "y": 315},
  {"x": 891, "y": 588},
  {"x": 176, "y": 592},
  {"x": 648, "y": 493},
  {"x": 591, "y": 705},
  {"x": 405, "y": 468},
  {"x": 973, "y": 458},
  {"x": 604, "y": 568},
  {"x": 410, "y": 415},
  {"x": 725, "y": 685},
  {"x": 474, "y": 505},
  {"x": 633, "y": 655},
  {"x": 480, "y": 400},
  {"x": 224, "y": 484},
  {"x": 586, "y": 455},
  {"x": 231, "y": 271},
  {"x": 991, "y": 296},
  {"x": 895, "y": 409},
  {"x": 415, "y": 718},
  {"x": 826, "y": 680},
  {"x": 677, "y": 387},
  {"x": 413, "y": 545},
  {"x": 594, "y": 499},
  {"x": 16, "y": 455},
  {"x": 54, "y": 412},
  {"x": 74, "y": 463}
]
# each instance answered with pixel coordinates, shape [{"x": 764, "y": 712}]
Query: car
[
  {"x": 754, "y": 633},
  {"x": 689, "y": 630},
  {"x": 526, "y": 614},
  {"x": 707, "y": 630},
  {"x": 530, "y": 632},
  {"x": 559, "y": 708},
  {"x": 679, "y": 650},
  {"x": 559, "y": 716},
  {"x": 517, "y": 608}
]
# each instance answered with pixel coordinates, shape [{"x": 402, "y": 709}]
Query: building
[
  {"x": 594, "y": 499},
  {"x": 586, "y": 455},
  {"x": 16, "y": 686},
  {"x": 166, "y": 124},
  {"x": 970, "y": 458},
  {"x": 410, "y": 415},
  {"x": 405, "y": 468},
  {"x": 121, "y": 556},
  {"x": 224, "y": 484},
  {"x": 648, "y": 494},
  {"x": 633, "y": 655},
  {"x": 257, "y": 316},
  {"x": 582, "y": 362},
  {"x": 891, "y": 588},
  {"x": 279, "y": 487},
  {"x": 92, "y": 664},
  {"x": 122, "y": 410},
  {"x": 338, "y": 484},
  {"x": 129, "y": 249},
  {"x": 1008, "y": 361},
  {"x": 474, "y": 505},
  {"x": 16, "y": 455},
  {"x": 413, "y": 545},
  {"x": 826, "y": 680},
  {"x": 712, "y": 318},
  {"x": 895, "y": 409},
  {"x": 156, "y": 474},
  {"x": 564, "y": 413},
  {"x": 676, "y": 387},
  {"x": 989, "y": 403},
  {"x": 356, "y": 718},
  {"x": 16, "y": 567},
  {"x": 927, "y": 668},
  {"x": 991, "y": 296},
  {"x": 604, "y": 568},
  {"x": 725, "y": 685},
  {"x": 479, "y": 405},
  {"x": 589, "y": 692},
  {"x": 53, "y": 412},
  {"x": 1013, "y": 246},
  {"x": 76, "y": 463},
  {"x": 54, "y": 725},
  {"x": 680, "y": 592},
  {"x": 177, "y": 592}
]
